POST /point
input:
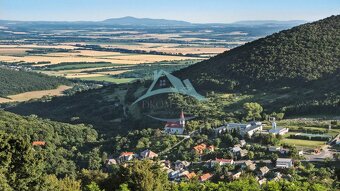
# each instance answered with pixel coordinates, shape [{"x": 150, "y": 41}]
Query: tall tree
[{"x": 20, "y": 167}]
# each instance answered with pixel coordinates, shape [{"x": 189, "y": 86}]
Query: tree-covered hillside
[
  {"x": 14, "y": 82},
  {"x": 291, "y": 57},
  {"x": 67, "y": 147}
]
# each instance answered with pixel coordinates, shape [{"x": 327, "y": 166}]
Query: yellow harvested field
[
  {"x": 13, "y": 51},
  {"x": 35, "y": 94},
  {"x": 56, "y": 58},
  {"x": 64, "y": 46}
]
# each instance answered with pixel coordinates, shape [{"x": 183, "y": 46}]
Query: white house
[
  {"x": 176, "y": 127},
  {"x": 221, "y": 162},
  {"x": 274, "y": 148},
  {"x": 243, "y": 143},
  {"x": 284, "y": 163},
  {"x": 126, "y": 156}
]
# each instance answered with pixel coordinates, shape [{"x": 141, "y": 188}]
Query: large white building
[
  {"x": 284, "y": 163},
  {"x": 247, "y": 128},
  {"x": 277, "y": 130}
]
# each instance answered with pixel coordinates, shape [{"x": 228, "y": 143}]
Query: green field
[
  {"x": 109, "y": 79},
  {"x": 303, "y": 143},
  {"x": 73, "y": 66}
]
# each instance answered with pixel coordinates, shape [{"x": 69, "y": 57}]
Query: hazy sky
[{"x": 202, "y": 11}]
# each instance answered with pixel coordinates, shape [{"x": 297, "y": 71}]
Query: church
[{"x": 176, "y": 127}]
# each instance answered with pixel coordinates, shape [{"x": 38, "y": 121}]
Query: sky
[{"x": 196, "y": 11}]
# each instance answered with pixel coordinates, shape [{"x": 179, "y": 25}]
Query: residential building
[
  {"x": 183, "y": 173},
  {"x": 201, "y": 148},
  {"x": 249, "y": 165},
  {"x": 262, "y": 181},
  {"x": 274, "y": 148},
  {"x": 180, "y": 165},
  {"x": 191, "y": 175},
  {"x": 243, "y": 143},
  {"x": 263, "y": 171},
  {"x": 38, "y": 143},
  {"x": 236, "y": 176},
  {"x": 174, "y": 174},
  {"x": 111, "y": 162},
  {"x": 236, "y": 149},
  {"x": 148, "y": 154},
  {"x": 221, "y": 162},
  {"x": 284, "y": 163},
  {"x": 205, "y": 177},
  {"x": 126, "y": 156},
  {"x": 243, "y": 152},
  {"x": 277, "y": 176}
]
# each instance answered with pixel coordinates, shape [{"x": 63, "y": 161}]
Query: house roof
[
  {"x": 38, "y": 143},
  {"x": 123, "y": 154},
  {"x": 148, "y": 154},
  {"x": 223, "y": 160},
  {"x": 191, "y": 175},
  {"x": 205, "y": 177},
  {"x": 111, "y": 161},
  {"x": 173, "y": 125},
  {"x": 264, "y": 169},
  {"x": 248, "y": 162},
  {"x": 236, "y": 149},
  {"x": 284, "y": 160},
  {"x": 200, "y": 147}
]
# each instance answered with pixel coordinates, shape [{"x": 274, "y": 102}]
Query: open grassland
[
  {"x": 303, "y": 143},
  {"x": 35, "y": 94}
]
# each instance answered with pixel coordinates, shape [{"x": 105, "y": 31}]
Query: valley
[{"x": 268, "y": 118}]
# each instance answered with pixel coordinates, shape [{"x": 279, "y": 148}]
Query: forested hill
[
  {"x": 14, "y": 82},
  {"x": 303, "y": 54}
]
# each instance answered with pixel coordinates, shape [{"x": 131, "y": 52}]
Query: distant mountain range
[
  {"x": 133, "y": 21},
  {"x": 145, "y": 21},
  {"x": 270, "y": 22}
]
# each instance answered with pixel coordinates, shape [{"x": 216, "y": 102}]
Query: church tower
[{"x": 182, "y": 120}]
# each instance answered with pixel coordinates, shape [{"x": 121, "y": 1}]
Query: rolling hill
[
  {"x": 303, "y": 54},
  {"x": 295, "y": 71}
]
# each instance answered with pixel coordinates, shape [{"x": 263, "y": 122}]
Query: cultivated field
[
  {"x": 103, "y": 53},
  {"x": 35, "y": 94}
]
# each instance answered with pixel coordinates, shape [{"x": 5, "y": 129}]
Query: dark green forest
[
  {"x": 295, "y": 56},
  {"x": 14, "y": 82},
  {"x": 67, "y": 146}
]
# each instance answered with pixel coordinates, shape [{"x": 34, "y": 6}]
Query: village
[{"x": 266, "y": 162}]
